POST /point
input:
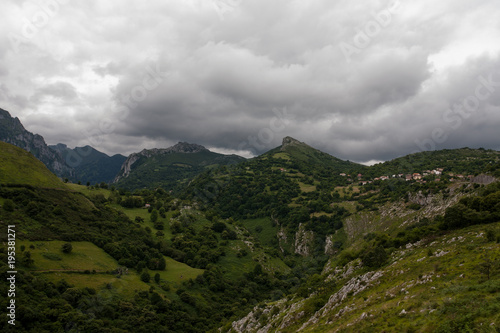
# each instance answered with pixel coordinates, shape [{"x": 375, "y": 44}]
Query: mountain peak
[
  {"x": 289, "y": 141},
  {"x": 185, "y": 147}
]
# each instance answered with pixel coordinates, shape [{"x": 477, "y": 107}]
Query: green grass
[
  {"x": 18, "y": 166},
  {"x": 306, "y": 187},
  {"x": 283, "y": 156},
  {"x": 84, "y": 256},
  {"x": 177, "y": 272},
  {"x": 268, "y": 232},
  {"x": 438, "y": 284},
  {"x": 233, "y": 266},
  {"x": 143, "y": 212},
  {"x": 125, "y": 286},
  {"x": 56, "y": 265},
  {"x": 88, "y": 191}
]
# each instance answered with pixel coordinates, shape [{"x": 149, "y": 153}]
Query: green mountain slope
[
  {"x": 13, "y": 132},
  {"x": 303, "y": 154},
  {"x": 447, "y": 283},
  {"x": 18, "y": 166},
  {"x": 292, "y": 240},
  {"x": 465, "y": 161},
  {"x": 170, "y": 168},
  {"x": 190, "y": 273},
  {"x": 89, "y": 164}
]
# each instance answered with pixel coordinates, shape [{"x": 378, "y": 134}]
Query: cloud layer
[{"x": 361, "y": 81}]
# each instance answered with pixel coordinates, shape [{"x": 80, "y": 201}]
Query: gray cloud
[{"x": 240, "y": 75}]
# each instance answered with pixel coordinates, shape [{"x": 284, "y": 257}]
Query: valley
[{"x": 182, "y": 239}]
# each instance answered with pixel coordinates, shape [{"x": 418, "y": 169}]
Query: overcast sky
[{"x": 361, "y": 80}]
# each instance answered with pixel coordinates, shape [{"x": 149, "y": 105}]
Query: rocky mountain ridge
[
  {"x": 90, "y": 165},
  {"x": 13, "y": 132},
  {"x": 180, "y": 147}
]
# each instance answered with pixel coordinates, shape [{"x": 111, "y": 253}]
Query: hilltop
[
  {"x": 18, "y": 166},
  {"x": 170, "y": 168}
]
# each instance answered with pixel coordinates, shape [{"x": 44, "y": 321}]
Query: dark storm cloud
[{"x": 362, "y": 81}]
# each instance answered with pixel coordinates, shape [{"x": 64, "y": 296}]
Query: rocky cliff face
[
  {"x": 13, "y": 132},
  {"x": 289, "y": 141},
  {"x": 304, "y": 241}
]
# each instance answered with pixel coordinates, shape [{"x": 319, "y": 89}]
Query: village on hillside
[{"x": 416, "y": 177}]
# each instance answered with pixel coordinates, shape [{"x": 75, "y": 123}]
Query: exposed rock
[
  {"x": 329, "y": 249},
  {"x": 483, "y": 179},
  {"x": 13, "y": 132},
  {"x": 420, "y": 199},
  {"x": 289, "y": 141},
  {"x": 282, "y": 238},
  {"x": 181, "y": 147},
  {"x": 353, "y": 286},
  {"x": 303, "y": 241}
]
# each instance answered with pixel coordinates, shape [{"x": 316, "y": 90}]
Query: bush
[
  {"x": 374, "y": 258},
  {"x": 67, "y": 248},
  {"x": 145, "y": 277},
  {"x": 8, "y": 205}
]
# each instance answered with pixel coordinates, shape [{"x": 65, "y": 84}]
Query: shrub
[
  {"x": 145, "y": 277},
  {"x": 67, "y": 248},
  {"x": 8, "y": 205}
]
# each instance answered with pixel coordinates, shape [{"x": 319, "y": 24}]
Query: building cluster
[{"x": 418, "y": 177}]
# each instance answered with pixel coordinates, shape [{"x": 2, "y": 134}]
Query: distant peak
[
  {"x": 184, "y": 147},
  {"x": 289, "y": 141},
  {"x": 180, "y": 147}
]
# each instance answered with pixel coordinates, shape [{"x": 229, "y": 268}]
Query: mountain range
[
  {"x": 89, "y": 164},
  {"x": 293, "y": 240}
]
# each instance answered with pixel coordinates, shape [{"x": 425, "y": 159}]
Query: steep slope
[
  {"x": 18, "y": 166},
  {"x": 170, "y": 167},
  {"x": 13, "y": 132},
  {"x": 292, "y": 186},
  {"x": 303, "y": 154},
  {"x": 89, "y": 164},
  {"x": 439, "y": 285},
  {"x": 438, "y": 274}
]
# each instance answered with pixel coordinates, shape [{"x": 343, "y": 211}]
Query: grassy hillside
[
  {"x": 465, "y": 161},
  {"x": 292, "y": 234},
  {"x": 441, "y": 284},
  {"x": 18, "y": 166}
]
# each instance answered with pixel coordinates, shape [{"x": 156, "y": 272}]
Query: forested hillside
[{"x": 294, "y": 239}]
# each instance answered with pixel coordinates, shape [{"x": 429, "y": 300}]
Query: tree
[
  {"x": 154, "y": 215},
  {"x": 8, "y": 205},
  {"x": 67, "y": 248},
  {"x": 157, "y": 278},
  {"x": 374, "y": 258},
  {"x": 26, "y": 260},
  {"x": 145, "y": 277},
  {"x": 162, "y": 264}
]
